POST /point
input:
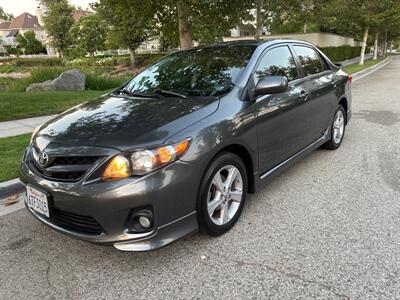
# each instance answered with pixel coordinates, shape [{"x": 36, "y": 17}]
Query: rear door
[
  {"x": 322, "y": 88},
  {"x": 283, "y": 120}
]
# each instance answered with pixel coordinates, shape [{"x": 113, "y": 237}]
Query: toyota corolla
[{"x": 178, "y": 148}]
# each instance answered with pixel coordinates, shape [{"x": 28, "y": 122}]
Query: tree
[
  {"x": 130, "y": 23},
  {"x": 182, "y": 21},
  {"x": 355, "y": 17},
  {"x": 5, "y": 16},
  {"x": 30, "y": 44},
  {"x": 58, "y": 22},
  {"x": 89, "y": 34}
]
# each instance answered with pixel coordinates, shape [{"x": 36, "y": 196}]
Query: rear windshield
[{"x": 204, "y": 72}]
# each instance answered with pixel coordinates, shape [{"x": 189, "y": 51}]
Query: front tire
[
  {"x": 338, "y": 129},
  {"x": 222, "y": 194}
]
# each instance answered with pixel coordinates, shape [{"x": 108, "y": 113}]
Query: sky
[{"x": 17, "y": 7}]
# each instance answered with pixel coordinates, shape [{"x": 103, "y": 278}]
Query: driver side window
[{"x": 278, "y": 61}]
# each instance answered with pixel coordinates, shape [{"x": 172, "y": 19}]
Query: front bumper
[{"x": 171, "y": 193}]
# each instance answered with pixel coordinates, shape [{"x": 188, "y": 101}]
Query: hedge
[
  {"x": 341, "y": 53},
  {"x": 37, "y": 62}
]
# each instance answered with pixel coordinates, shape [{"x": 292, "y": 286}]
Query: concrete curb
[
  {"x": 372, "y": 69},
  {"x": 11, "y": 187},
  {"x": 14, "y": 186}
]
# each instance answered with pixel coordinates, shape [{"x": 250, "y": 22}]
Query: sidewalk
[{"x": 16, "y": 127}]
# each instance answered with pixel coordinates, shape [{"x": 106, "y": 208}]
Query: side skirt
[{"x": 291, "y": 160}]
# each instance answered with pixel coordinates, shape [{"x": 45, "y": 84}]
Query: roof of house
[
  {"x": 5, "y": 25},
  {"x": 24, "y": 21},
  {"x": 79, "y": 13}
]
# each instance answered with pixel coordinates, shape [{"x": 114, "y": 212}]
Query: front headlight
[{"x": 144, "y": 161}]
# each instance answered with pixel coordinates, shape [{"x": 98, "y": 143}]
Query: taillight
[{"x": 350, "y": 79}]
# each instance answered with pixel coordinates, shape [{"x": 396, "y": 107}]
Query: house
[
  {"x": 248, "y": 28},
  {"x": 20, "y": 25},
  {"x": 79, "y": 13}
]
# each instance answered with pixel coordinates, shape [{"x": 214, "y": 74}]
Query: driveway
[{"x": 328, "y": 227}]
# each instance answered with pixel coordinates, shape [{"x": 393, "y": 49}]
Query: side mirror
[{"x": 271, "y": 85}]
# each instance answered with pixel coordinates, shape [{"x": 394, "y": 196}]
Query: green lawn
[
  {"x": 354, "y": 68},
  {"x": 11, "y": 149},
  {"x": 24, "y": 105}
]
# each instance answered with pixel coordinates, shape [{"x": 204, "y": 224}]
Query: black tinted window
[
  {"x": 278, "y": 61},
  {"x": 310, "y": 60},
  {"x": 203, "y": 71}
]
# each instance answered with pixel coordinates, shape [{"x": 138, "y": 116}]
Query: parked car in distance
[{"x": 178, "y": 148}]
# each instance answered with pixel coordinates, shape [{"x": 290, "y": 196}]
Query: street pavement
[{"x": 327, "y": 228}]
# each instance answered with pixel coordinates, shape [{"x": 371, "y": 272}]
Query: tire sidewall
[
  {"x": 204, "y": 220},
  {"x": 334, "y": 144}
]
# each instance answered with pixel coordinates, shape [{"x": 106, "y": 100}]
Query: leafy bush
[
  {"x": 341, "y": 53},
  {"x": 142, "y": 60},
  {"x": 5, "y": 83},
  {"x": 100, "y": 83},
  {"x": 37, "y": 62}
]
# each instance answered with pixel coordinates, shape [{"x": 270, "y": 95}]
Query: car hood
[{"x": 124, "y": 122}]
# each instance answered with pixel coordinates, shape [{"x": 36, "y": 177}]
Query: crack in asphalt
[
  {"x": 49, "y": 265},
  {"x": 289, "y": 275}
]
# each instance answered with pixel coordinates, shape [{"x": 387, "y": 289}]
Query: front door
[{"x": 283, "y": 121}]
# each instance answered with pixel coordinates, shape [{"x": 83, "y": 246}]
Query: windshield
[{"x": 198, "y": 72}]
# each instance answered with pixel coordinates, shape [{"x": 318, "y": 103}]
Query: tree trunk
[
  {"x": 185, "y": 29},
  {"x": 305, "y": 27},
  {"x": 376, "y": 46},
  {"x": 93, "y": 59},
  {"x": 364, "y": 46},
  {"x": 132, "y": 57},
  {"x": 386, "y": 44},
  {"x": 259, "y": 20}
]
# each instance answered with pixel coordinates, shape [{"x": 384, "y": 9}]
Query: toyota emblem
[{"x": 43, "y": 158}]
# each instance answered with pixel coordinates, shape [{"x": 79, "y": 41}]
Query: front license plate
[{"x": 37, "y": 201}]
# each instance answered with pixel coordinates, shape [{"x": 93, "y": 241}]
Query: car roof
[{"x": 252, "y": 42}]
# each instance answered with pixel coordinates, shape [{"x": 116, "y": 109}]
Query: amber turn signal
[{"x": 117, "y": 168}]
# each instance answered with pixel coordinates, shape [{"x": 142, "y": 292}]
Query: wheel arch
[
  {"x": 247, "y": 159},
  {"x": 343, "y": 102}
]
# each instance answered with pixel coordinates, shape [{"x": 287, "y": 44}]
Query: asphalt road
[{"x": 328, "y": 227}]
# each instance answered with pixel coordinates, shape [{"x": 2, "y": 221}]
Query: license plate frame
[{"x": 38, "y": 201}]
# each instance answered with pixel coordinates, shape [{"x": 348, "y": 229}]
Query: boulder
[{"x": 72, "y": 80}]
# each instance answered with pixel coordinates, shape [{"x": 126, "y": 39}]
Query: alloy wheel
[
  {"x": 338, "y": 127},
  {"x": 225, "y": 194}
]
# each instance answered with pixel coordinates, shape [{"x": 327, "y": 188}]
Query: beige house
[{"x": 20, "y": 25}]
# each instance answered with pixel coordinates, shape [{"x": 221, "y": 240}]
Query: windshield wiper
[
  {"x": 134, "y": 94},
  {"x": 170, "y": 93}
]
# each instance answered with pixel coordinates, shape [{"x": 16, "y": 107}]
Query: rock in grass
[{"x": 72, "y": 80}]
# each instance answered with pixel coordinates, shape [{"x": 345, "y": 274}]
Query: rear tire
[
  {"x": 222, "y": 194},
  {"x": 337, "y": 130}
]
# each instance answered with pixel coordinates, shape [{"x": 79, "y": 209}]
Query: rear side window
[
  {"x": 279, "y": 62},
  {"x": 310, "y": 60}
]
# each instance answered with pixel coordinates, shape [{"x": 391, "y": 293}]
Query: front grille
[
  {"x": 68, "y": 176},
  {"x": 75, "y": 222},
  {"x": 74, "y": 160},
  {"x": 64, "y": 168}
]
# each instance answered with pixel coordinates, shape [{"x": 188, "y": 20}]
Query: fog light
[
  {"x": 141, "y": 220},
  {"x": 144, "y": 222}
]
